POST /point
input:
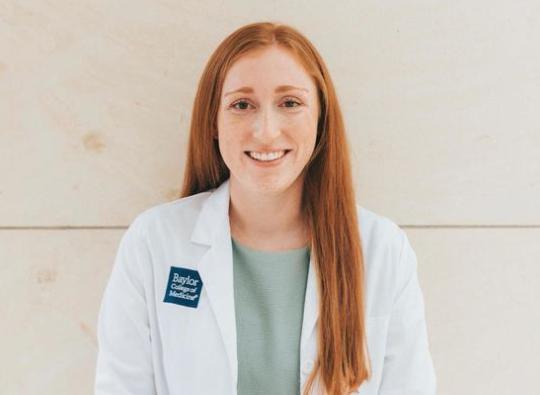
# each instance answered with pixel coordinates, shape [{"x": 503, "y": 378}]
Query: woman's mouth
[{"x": 267, "y": 158}]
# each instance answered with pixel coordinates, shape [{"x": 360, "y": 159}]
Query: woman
[{"x": 265, "y": 277}]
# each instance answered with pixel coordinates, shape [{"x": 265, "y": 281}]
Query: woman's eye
[
  {"x": 239, "y": 102},
  {"x": 292, "y": 101}
]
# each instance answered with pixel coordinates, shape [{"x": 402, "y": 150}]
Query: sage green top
[{"x": 269, "y": 292}]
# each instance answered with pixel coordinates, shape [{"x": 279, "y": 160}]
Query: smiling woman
[
  {"x": 296, "y": 288},
  {"x": 282, "y": 146}
]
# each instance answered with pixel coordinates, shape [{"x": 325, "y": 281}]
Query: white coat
[{"x": 147, "y": 346}]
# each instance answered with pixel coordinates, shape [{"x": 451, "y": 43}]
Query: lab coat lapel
[
  {"x": 311, "y": 305},
  {"x": 216, "y": 270}
]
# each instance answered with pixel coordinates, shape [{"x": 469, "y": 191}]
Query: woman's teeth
[{"x": 266, "y": 156}]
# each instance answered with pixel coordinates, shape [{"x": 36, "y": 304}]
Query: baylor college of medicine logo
[{"x": 184, "y": 287}]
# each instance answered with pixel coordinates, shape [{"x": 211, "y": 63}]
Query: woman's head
[
  {"x": 263, "y": 56},
  {"x": 268, "y": 104}
]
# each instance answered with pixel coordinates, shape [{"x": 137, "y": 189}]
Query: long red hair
[{"x": 328, "y": 200}]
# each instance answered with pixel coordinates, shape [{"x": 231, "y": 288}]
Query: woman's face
[{"x": 276, "y": 109}]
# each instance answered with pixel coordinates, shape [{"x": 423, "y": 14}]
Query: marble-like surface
[
  {"x": 440, "y": 102},
  {"x": 481, "y": 293},
  {"x": 51, "y": 285}
]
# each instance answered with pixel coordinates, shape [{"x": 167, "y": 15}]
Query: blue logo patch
[{"x": 184, "y": 287}]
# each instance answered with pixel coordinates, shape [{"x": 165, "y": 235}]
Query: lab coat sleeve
[
  {"x": 124, "y": 362},
  {"x": 408, "y": 367}
]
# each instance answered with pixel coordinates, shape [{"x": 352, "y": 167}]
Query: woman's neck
[{"x": 267, "y": 221}]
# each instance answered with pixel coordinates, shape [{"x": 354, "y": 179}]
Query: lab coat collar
[{"x": 212, "y": 228}]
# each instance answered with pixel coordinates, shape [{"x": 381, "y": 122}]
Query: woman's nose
[{"x": 267, "y": 125}]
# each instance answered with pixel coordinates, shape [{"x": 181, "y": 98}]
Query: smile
[{"x": 267, "y": 158}]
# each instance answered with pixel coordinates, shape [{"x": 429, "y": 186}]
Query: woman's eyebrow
[{"x": 279, "y": 89}]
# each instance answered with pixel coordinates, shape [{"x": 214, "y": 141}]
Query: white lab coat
[{"x": 149, "y": 347}]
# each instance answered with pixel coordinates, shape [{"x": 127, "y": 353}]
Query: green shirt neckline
[{"x": 291, "y": 251}]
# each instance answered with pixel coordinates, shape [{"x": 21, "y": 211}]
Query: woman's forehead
[{"x": 270, "y": 71}]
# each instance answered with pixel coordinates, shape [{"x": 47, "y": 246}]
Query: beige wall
[{"x": 439, "y": 100}]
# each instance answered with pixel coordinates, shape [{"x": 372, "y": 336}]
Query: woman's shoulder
[
  {"x": 383, "y": 245},
  {"x": 376, "y": 228},
  {"x": 174, "y": 214},
  {"x": 383, "y": 241}
]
